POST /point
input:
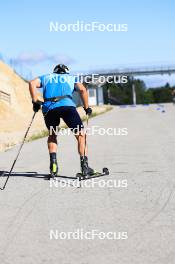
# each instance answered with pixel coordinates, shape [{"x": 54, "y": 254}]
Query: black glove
[
  {"x": 36, "y": 106},
  {"x": 88, "y": 111}
]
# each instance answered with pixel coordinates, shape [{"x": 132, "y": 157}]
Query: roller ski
[{"x": 89, "y": 173}]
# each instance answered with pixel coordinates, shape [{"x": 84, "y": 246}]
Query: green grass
[
  {"x": 41, "y": 134},
  {"x": 94, "y": 114}
]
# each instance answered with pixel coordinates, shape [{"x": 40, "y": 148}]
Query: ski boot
[
  {"x": 85, "y": 169},
  {"x": 53, "y": 168}
]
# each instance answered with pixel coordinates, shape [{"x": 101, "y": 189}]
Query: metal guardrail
[{"x": 5, "y": 96}]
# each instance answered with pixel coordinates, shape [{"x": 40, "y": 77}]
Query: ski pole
[
  {"x": 85, "y": 145},
  {"x": 2, "y": 188}
]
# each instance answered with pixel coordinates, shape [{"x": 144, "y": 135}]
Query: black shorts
[{"x": 68, "y": 113}]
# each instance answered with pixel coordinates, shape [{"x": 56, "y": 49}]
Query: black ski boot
[
  {"x": 53, "y": 165},
  {"x": 85, "y": 169}
]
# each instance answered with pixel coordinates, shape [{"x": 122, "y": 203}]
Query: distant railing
[
  {"x": 149, "y": 70},
  {"x": 5, "y": 96}
]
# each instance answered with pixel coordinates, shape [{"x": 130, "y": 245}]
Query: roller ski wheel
[
  {"x": 106, "y": 171},
  {"x": 52, "y": 176}
]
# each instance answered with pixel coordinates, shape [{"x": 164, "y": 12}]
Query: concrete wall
[
  {"x": 95, "y": 96},
  {"x": 100, "y": 96},
  {"x": 92, "y": 96}
]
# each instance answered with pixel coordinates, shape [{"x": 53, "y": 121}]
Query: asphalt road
[{"x": 139, "y": 209}]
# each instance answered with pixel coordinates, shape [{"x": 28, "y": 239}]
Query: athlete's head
[{"x": 61, "y": 68}]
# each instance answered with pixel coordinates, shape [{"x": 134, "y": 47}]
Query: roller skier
[{"x": 58, "y": 88}]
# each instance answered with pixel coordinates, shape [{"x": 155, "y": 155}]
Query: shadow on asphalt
[{"x": 33, "y": 174}]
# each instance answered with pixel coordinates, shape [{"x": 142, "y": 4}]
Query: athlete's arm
[
  {"x": 33, "y": 85},
  {"x": 83, "y": 94}
]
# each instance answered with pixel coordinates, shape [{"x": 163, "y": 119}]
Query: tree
[{"x": 122, "y": 93}]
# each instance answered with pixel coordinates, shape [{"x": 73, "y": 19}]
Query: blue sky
[{"x": 150, "y": 40}]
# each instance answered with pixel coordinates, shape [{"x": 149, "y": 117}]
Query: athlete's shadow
[{"x": 33, "y": 174}]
